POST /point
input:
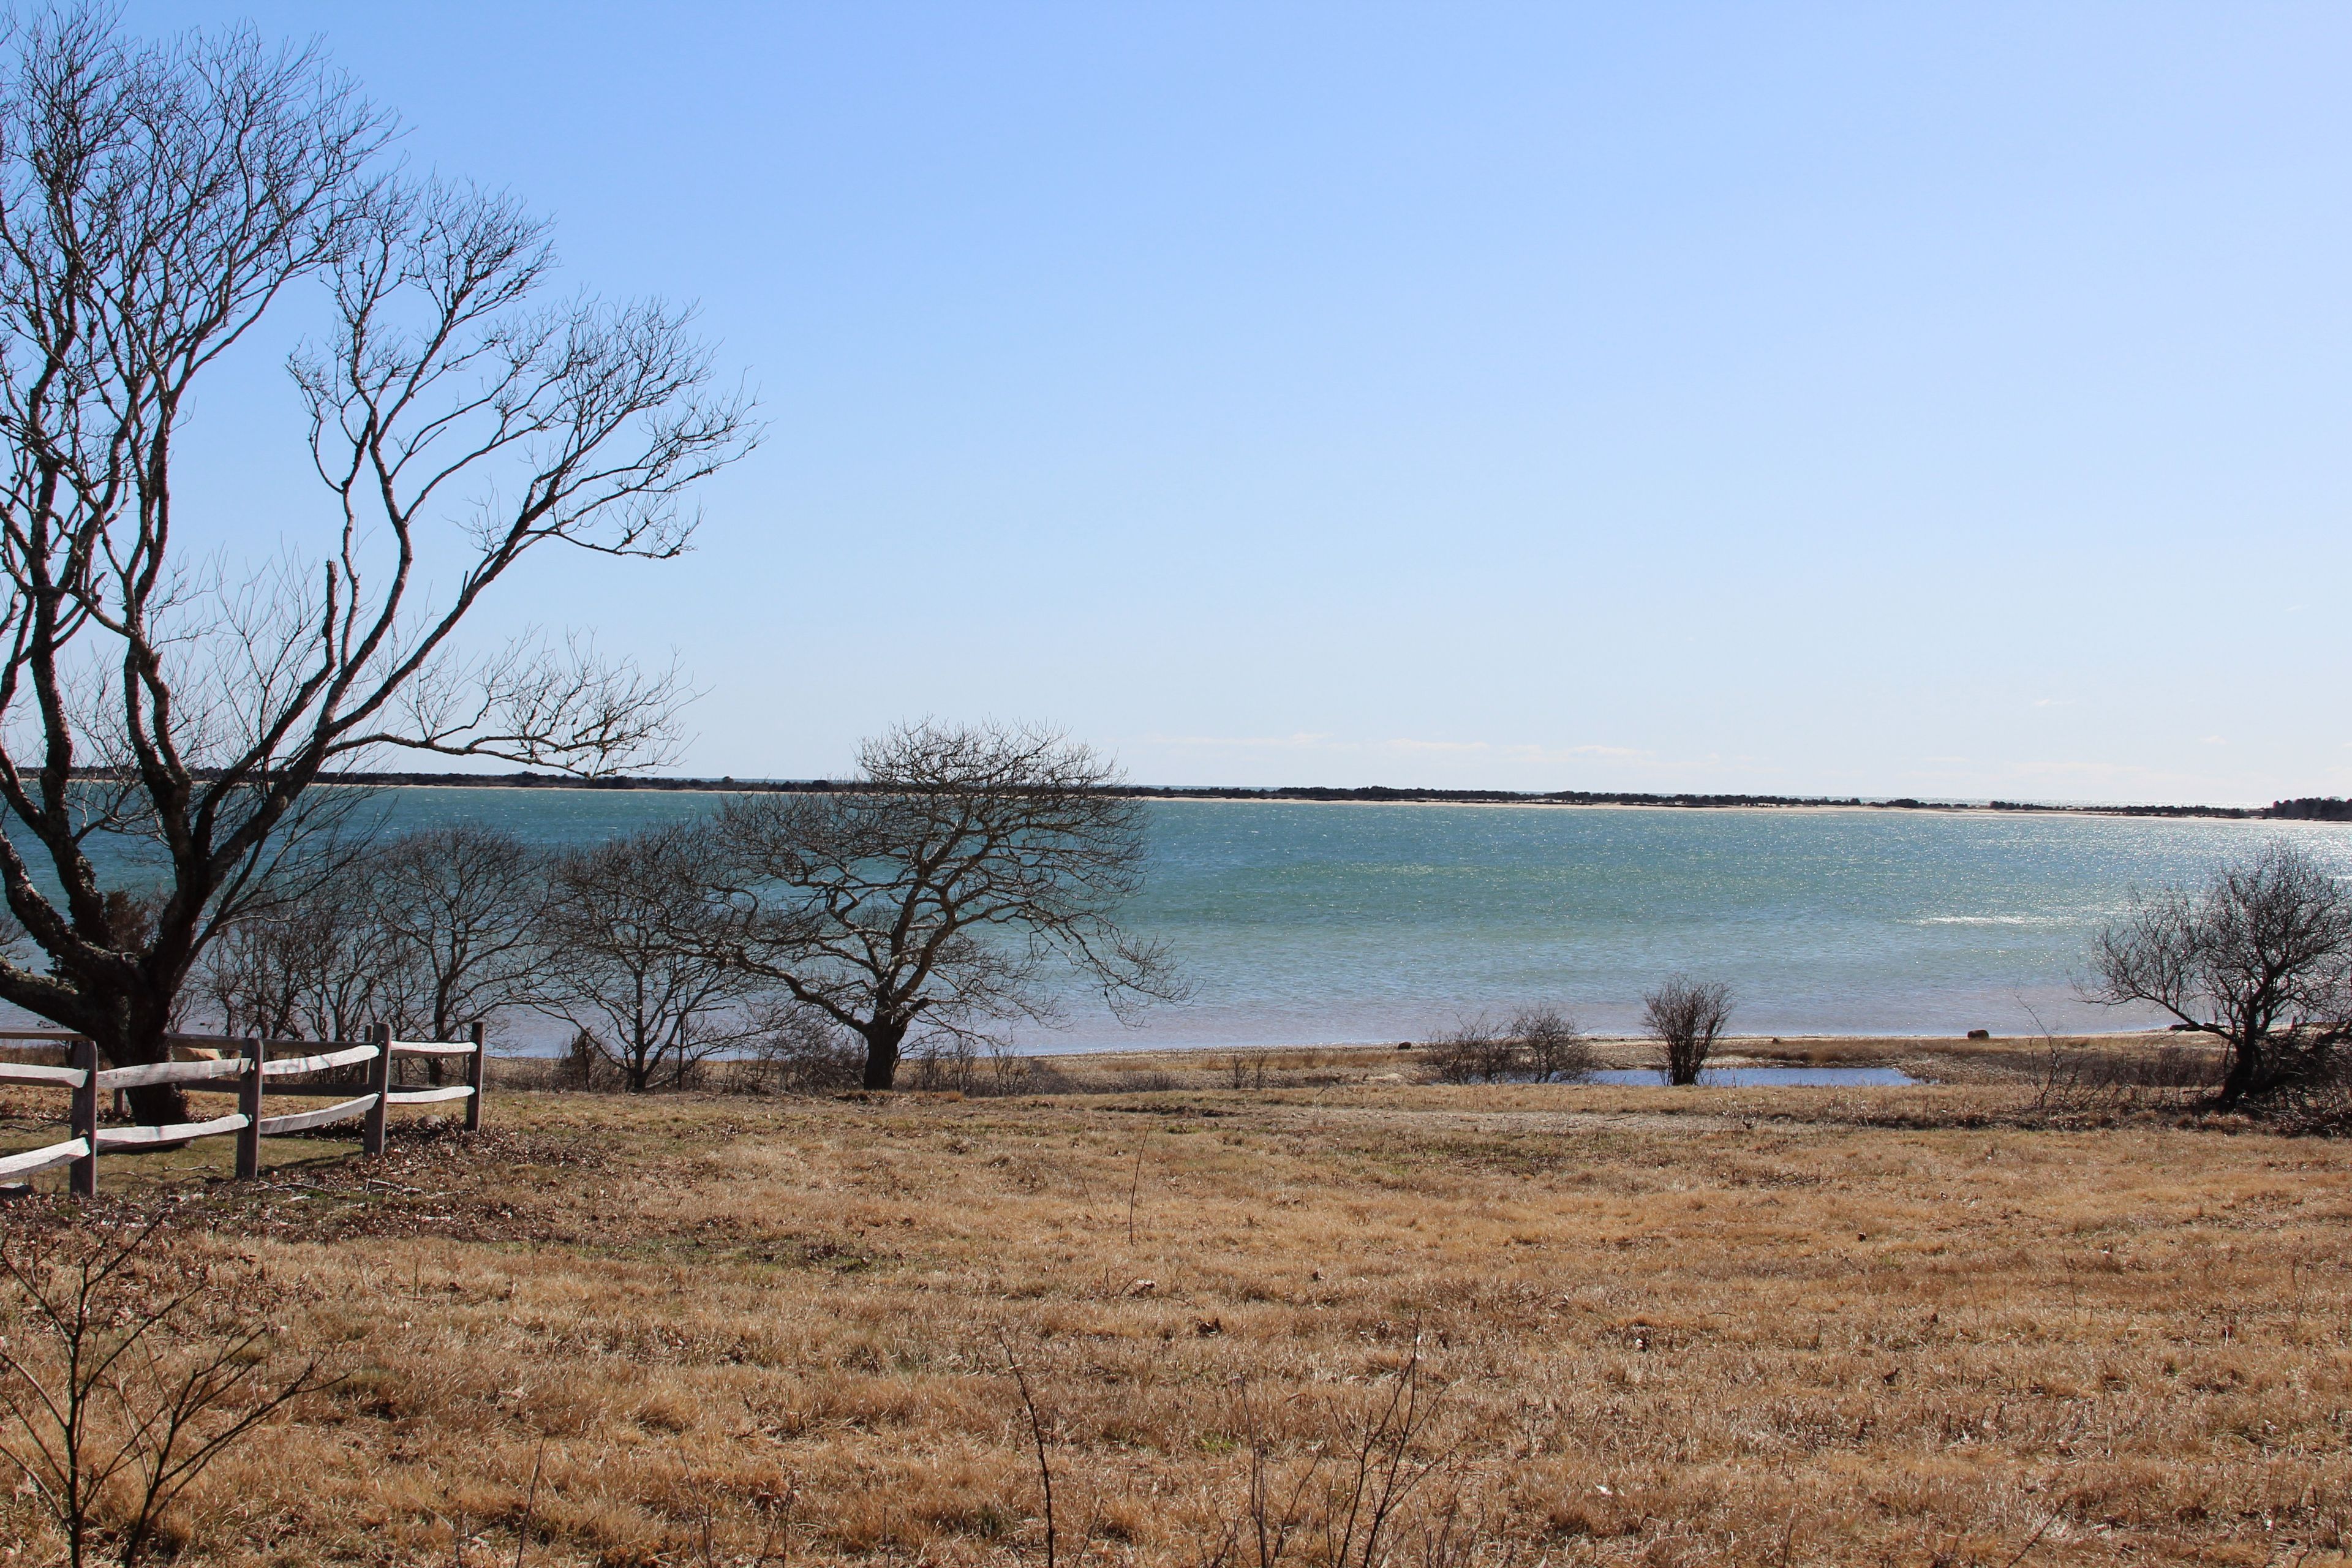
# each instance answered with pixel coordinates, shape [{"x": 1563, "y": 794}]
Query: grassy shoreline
[{"x": 1915, "y": 1325}]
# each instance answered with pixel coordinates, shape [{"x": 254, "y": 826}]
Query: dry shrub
[
  {"x": 1249, "y": 1070},
  {"x": 128, "y": 1366},
  {"x": 2314, "y": 1102},
  {"x": 2076, "y": 1078},
  {"x": 1141, "y": 1082},
  {"x": 801, "y": 1051},
  {"x": 1686, "y": 1017},
  {"x": 1370, "y": 1479},
  {"x": 1556, "y": 1049},
  {"x": 1472, "y": 1051}
]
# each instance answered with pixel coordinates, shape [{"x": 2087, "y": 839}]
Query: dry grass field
[{"x": 1517, "y": 1323}]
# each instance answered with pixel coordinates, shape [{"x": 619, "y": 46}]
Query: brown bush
[{"x": 1472, "y": 1051}]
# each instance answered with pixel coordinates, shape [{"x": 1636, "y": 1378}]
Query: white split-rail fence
[{"x": 254, "y": 1066}]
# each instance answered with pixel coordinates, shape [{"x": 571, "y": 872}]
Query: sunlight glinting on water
[
  {"x": 1308, "y": 923},
  {"x": 1311, "y": 923}
]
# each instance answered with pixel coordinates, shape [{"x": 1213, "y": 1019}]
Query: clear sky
[{"x": 1887, "y": 399}]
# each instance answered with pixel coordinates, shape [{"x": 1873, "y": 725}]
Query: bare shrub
[
  {"x": 2317, "y": 1103},
  {"x": 2259, "y": 958},
  {"x": 1264, "y": 1070},
  {"x": 2170, "y": 1066},
  {"x": 1686, "y": 1017},
  {"x": 124, "y": 1373},
  {"x": 2076, "y": 1077},
  {"x": 318, "y": 967},
  {"x": 1008, "y": 1073},
  {"x": 1146, "y": 1080},
  {"x": 798, "y": 1050},
  {"x": 947, "y": 1062},
  {"x": 1472, "y": 1051},
  {"x": 1037, "y": 1075},
  {"x": 1556, "y": 1049},
  {"x": 1371, "y": 1489},
  {"x": 430, "y": 932}
]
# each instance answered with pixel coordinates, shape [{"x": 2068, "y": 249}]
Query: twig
[
  {"x": 529, "y": 1501},
  {"x": 777, "y": 1508},
  {"x": 1135, "y": 1186},
  {"x": 2033, "y": 1539},
  {"x": 1037, "y": 1436}
]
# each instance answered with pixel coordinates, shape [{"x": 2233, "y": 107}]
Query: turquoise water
[
  {"x": 1367, "y": 923},
  {"x": 1313, "y": 923}
]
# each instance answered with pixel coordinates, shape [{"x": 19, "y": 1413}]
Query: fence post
[
  {"x": 380, "y": 1083},
  {"x": 248, "y": 1101},
  {"x": 84, "y": 1177},
  {"x": 474, "y": 1076}
]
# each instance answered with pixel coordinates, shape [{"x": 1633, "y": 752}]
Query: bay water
[{"x": 1314, "y": 923}]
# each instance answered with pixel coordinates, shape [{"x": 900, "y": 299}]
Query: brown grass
[{"x": 1667, "y": 1327}]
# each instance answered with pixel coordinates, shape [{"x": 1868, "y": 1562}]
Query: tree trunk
[
  {"x": 137, "y": 1043},
  {"x": 2245, "y": 1070},
  {"x": 882, "y": 1042},
  {"x": 158, "y": 1104}
]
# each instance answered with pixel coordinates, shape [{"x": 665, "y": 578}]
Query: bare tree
[
  {"x": 648, "y": 1000},
  {"x": 125, "y": 1373},
  {"x": 970, "y": 865},
  {"x": 2259, "y": 957},
  {"x": 322, "y": 966},
  {"x": 1557, "y": 1050},
  {"x": 433, "y": 930},
  {"x": 1686, "y": 1018},
  {"x": 157, "y": 202},
  {"x": 464, "y": 904},
  {"x": 254, "y": 977}
]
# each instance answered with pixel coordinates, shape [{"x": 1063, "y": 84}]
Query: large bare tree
[
  {"x": 967, "y": 867},
  {"x": 158, "y": 202},
  {"x": 2259, "y": 957}
]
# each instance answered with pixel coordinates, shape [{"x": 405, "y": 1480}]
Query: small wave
[{"x": 1989, "y": 920}]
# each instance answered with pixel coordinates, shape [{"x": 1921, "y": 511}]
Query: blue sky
[{"x": 1877, "y": 399}]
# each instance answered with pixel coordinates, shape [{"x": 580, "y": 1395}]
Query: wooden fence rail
[{"x": 255, "y": 1069}]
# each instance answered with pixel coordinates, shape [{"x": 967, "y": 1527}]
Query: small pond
[{"x": 1760, "y": 1077}]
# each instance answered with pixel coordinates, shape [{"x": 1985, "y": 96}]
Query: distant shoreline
[{"x": 2305, "y": 810}]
